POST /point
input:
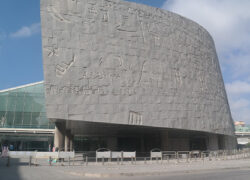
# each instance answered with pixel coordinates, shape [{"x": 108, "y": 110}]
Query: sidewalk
[
  {"x": 113, "y": 170},
  {"x": 154, "y": 169}
]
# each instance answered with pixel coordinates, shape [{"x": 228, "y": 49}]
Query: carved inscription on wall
[
  {"x": 63, "y": 67},
  {"x": 132, "y": 57},
  {"x": 135, "y": 118}
]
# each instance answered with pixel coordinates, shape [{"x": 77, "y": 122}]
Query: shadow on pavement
[{"x": 9, "y": 169}]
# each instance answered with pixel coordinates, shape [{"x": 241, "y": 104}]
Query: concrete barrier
[
  {"x": 129, "y": 154},
  {"x": 21, "y": 154},
  {"x": 41, "y": 155},
  {"x": 66, "y": 154},
  {"x": 156, "y": 155},
  {"x": 45, "y": 155},
  {"x": 169, "y": 155},
  {"x": 25, "y": 154},
  {"x": 183, "y": 155},
  {"x": 116, "y": 154},
  {"x": 105, "y": 154}
]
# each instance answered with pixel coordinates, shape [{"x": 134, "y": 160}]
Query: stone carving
[
  {"x": 57, "y": 15},
  {"x": 105, "y": 16},
  {"x": 127, "y": 23},
  {"x": 111, "y": 61},
  {"x": 131, "y": 55},
  {"x": 91, "y": 13},
  {"x": 62, "y": 68},
  {"x": 52, "y": 52},
  {"x": 135, "y": 118}
]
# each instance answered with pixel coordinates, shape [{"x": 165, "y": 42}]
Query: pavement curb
[{"x": 154, "y": 173}]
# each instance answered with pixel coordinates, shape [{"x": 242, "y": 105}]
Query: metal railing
[{"x": 109, "y": 157}]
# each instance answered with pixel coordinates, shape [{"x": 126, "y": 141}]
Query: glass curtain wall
[{"x": 24, "y": 107}]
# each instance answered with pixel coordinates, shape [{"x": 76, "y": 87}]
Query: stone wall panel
[{"x": 124, "y": 63}]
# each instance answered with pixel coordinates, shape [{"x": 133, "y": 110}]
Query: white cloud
[
  {"x": 240, "y": 109},
  {"x": 238, "y": 87},
  {"x": 27, "y": 31},
  {"x": 228, "y": 21},
  {"x": 239, "y": 104},
  {"x": 242, "y": 114},
  {"x": 238, "y": 65},
  {"x": 238, "y": 95}
]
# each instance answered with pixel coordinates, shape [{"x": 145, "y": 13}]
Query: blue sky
[
  {"x": 20, "y": 56},
  {"x": 228, "y": 21},
  {"x": 20, "y": 41}
]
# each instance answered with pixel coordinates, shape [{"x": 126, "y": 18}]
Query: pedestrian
[
  {"x": 49, "y": 147},
  {"x": 11, "y": 147},
  {"x": 5, "y": 151}
]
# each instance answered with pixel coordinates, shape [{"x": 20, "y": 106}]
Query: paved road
[
  {"x": 236, "y": 174},
  {"x": 39, "y": 174},
  {"x": 209, "y": 170}
]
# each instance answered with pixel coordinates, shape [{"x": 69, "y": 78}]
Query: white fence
[
  {"x": 66, "y": 154},
  {"x": 129, "y": 154},
  {"x": 43, "y": 155},
  {"x": 155, "y": 155},
  {"x": 60, "y": 158},
  {"x": 115, "y": 155},
  {"x": 105, "y": 154},
  {"x": 21, "y": 154}
]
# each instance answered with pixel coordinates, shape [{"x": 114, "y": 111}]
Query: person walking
[
  {"x": 5, "y": 151},
  {"x": 49, "y": 147}
]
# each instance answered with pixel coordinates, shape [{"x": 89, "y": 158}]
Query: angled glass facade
[
  {"x": 24, "y": 107},
  {"x": 245, "y": 128}
]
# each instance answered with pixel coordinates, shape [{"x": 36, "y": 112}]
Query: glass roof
[{"x": 24, "y": 107}]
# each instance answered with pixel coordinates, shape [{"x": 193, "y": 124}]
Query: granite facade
[{"x": 117, "y": 62}]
